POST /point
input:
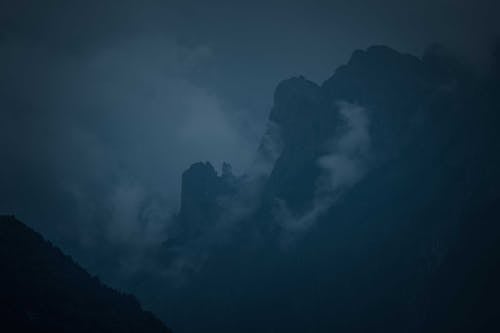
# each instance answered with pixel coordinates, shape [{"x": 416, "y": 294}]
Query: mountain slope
[
  {"x": 378, "y": 213},
  {"x": 43, "y": 290}
]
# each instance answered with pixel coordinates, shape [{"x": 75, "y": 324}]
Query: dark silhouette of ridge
[{"x": 44, "y": 290}]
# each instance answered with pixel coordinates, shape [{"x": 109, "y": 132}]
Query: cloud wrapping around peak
[
  {"x": 345, "y": 165},
  {"x": 342, "y": 167}
]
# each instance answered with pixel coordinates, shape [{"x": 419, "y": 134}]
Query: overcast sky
[{"x": 103, "y": 104}]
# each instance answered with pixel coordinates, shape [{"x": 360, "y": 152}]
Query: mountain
[
  {"x": 43, "y": 290},
  {"x": 201, "y": 186},
  {"x": 376, "y": 209}
]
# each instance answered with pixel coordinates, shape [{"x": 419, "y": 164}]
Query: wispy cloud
[
  {"x": 342, "y": 167},
  {"x": 110, "y": 131}
]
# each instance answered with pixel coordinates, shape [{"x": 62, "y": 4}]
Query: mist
[
  {"x": 104, "y": 104},
  {"x": 346, "y": 162},
  {"x": 110, "y": 132}
]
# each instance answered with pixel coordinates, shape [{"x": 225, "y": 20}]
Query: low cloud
[
  {"x": 346, "y": 163},
  {"x": 344, "y": 166},
  {"x": 108, "y": 132}
]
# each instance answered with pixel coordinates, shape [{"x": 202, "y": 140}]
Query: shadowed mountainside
[
  {"x": 377, "y": 214},
  {"x": 43, "y": 290}
]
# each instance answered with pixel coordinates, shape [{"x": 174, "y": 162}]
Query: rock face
[
  {"x": 413, "y": 243},
  {"x": 396, "y": 91},
  {"x": 200, "y": 190},
  {"x": 43, "y": 290},
  {"x": 306, "y": 119}
]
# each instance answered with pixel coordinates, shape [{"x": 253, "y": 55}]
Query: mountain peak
[
  {"x": 293, "y": 91},
  {"x": 200, "y": 190},
  {"x": 378, "y": 52}
]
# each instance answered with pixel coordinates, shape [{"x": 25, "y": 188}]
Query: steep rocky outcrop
[
  {"x": 411, "y": 246},
  {"x": 201, "y": 191},
  {"x": 402, "y": 96}
]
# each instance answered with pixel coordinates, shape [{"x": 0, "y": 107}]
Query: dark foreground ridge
[{"x": 44, "y": 290}]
